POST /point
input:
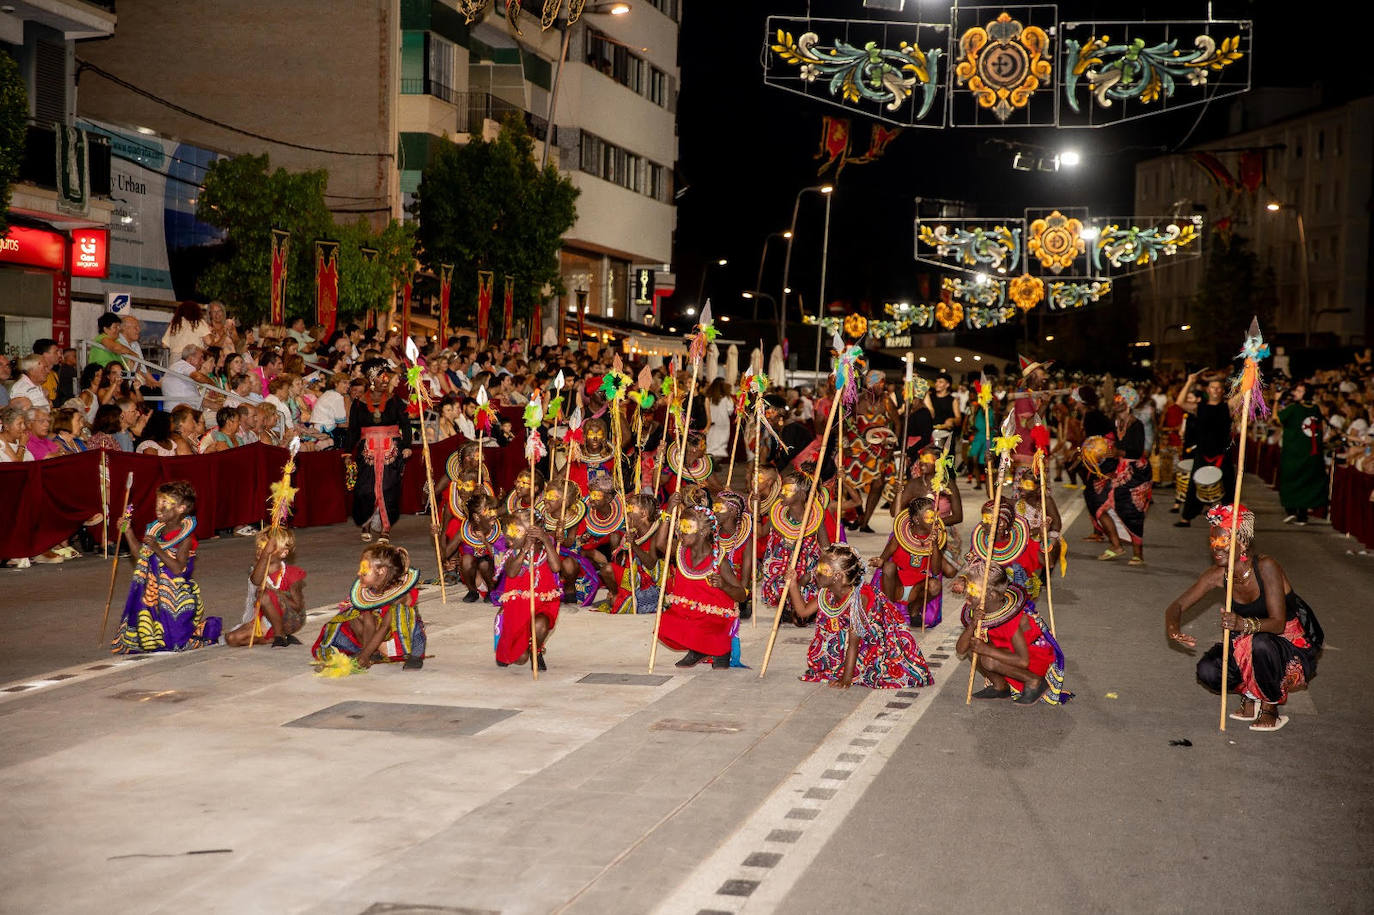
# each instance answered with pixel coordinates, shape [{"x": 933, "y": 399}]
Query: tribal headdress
[{"x": 1220, "y": 516}]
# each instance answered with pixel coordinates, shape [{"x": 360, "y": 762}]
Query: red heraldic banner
[
  {"x": 445, "y": 297},
  {"x": 281, "y": 242},
  {"x": 485, "y": 280},
  {"x": 327, "y": 285},
  {"x": 405, "y": 309},
  {"x": 536, "y": 325},
  {"x": 508, "y": 310}
]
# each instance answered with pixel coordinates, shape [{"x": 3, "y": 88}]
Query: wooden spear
[
  {"x": 1045, "y": 540},
  {"x": 534, "y": 415},
  {"x": 124, "y": 519},
  {"x": 739, "y": 421},
  {"x": 754, "y": 509},
  {"x": 1003, "y": 454}
]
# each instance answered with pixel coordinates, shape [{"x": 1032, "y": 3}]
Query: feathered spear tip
[
  {"x": 1250, "y": 380},
  {"x": 419, "y": 391},
  {"x": 1006, "y": 443},
  {"x": 534, "y": 414},
  {"x": 283, "y": 495},
  {"x": 984, "y": 392},
  {"x": 337, "y": 664},
  {"x": 555, "y": 412},
  {"x": 534, "y": 446},
  {"x": 643, "y": 399},
  {"x": 705, "y": 335},
  {"x": 574, "y": 431},
  {"x": 846, "y": 371}
]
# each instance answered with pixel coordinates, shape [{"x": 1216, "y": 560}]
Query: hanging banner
[
  {"x": 508, "y": 310},
  {"x": 326, "y": 284},
  {"x": 281, "y": 242},
  {"x": 485, "y": 279},
  {"x": 536, "y": 325},
  {"x": 581, "y": 314},
  {"x": 405, "y": 309},
  {"x": 445, "y": 296}
]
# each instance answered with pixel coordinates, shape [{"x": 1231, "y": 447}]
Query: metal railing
[{"x": 476, "y": 107}]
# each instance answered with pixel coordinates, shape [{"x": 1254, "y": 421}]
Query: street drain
[
  {"x": 698, "y": 727},
  {"x": 626, "y": 679},
  {"x": 404, "y": 718},
  {"x": 154, "y": 695}
]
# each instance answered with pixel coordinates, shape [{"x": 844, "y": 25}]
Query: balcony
[{"x": 476, "y": 107}]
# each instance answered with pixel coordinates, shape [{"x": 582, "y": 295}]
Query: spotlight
[
  {"x": 980, "y": 278},
  {"x": 1070, "y": 157},
  {"x": 1273, "y": 206},
  {"x": 690, "y": 311},
  {"x": 1049, "y": 338},
  {"x": 920, "y": 358},
  {"x": 1090, "y": 233},
  {"x": 958, "y": 358}
]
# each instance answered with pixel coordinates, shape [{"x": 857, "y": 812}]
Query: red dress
[
  {"x": 263, "y": 628},
  {"x": 696, "y": 616},
  {"x": 513, "y": 622},
  {"x": 1041, "y": 654}
]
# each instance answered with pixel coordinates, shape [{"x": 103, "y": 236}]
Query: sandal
[
  {"x": 367, "y": 536},
  {"x": 1241, "y": 715},
  {"x": 1136, "y": 561},
  {"x": 1109, "y": 554},
  {"x": 1279, "y": 720}
]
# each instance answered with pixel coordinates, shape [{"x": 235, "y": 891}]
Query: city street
[{"x": 234, "y": 781}]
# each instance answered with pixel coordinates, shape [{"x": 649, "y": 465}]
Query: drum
[
  {"x": 1183, "y": 472},
  {"x": 1209, "y": 488},
  {"x": 1096, "y": 450}
]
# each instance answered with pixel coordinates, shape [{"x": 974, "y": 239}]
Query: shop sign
[
  {"x": 91, "y": 252},
  {"x": 33, "y": 248}
]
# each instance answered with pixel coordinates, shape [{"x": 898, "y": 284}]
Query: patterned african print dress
[
  {"x": 1046, "y": 657},
  {"x": 394, "y": 607},
  {"x": 165, "y": 612},
  {"x": 783, "y": 534},
  {"x": 574, "y": 522},
  {"x": 888, "y": 658}
]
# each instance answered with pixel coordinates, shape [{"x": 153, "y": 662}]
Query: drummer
[{"x": 1209, "y": 428}]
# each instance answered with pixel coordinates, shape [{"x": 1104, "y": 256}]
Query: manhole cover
[
  {"x": 405, "y": 718},
  {"x": 699, "y": 727},
  {"x": 626, "y": 679},
  {"x": 400, "y": 908},
  {"x": 154, "y": 695}
]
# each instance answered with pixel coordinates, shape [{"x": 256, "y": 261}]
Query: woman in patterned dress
[
  {"x": 784, "y": 529},
  {"x": 379, "y": 621},
  {"x": 861, "y": 636}
]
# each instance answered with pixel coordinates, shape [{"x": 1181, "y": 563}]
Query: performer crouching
[
  {"x": 529, "y": 564},
  {"x": 704, "y": 592},
  {"x": 1016, "y": 652},
  {"x": 276, "y": 590},
  {"x": 861, "y": 634},
  {"x": 379, "y": 621}
]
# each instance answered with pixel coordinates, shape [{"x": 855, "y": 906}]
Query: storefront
[{"x": 37, "y": 263}]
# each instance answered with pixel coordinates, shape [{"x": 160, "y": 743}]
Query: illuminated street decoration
[
  {"x": 1055, "y": 241},
  {"x": 992, "y": 246},
  {"x": 1026, "y": 291},
  {"x": 988, "y": 293},
  {"x": 1076, "y": 295},
  {"x": 1142, "y": 246},
  {"x": 1003, "y": 64},
  {"x": 949, "y": 314},
  {"x": 1139, "y": 72}
]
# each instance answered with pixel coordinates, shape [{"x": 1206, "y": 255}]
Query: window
[
  {"x": 440, "y": 67},
  {"x": 666, "y": 7},
  {"x": 619, "y": 166},
  {"x": 613, "y": 59}
]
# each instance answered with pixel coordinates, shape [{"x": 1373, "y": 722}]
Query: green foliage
[
  {"x": 487, "y": 206},
  {"x": 1233, "y": 290},
  {"x": 14, "y": 114},
  {"x": 246, "y": 199}
]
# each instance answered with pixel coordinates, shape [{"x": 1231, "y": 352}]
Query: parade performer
[
  {"x": 1274, "y": 635},
  {"x": 913, "y": 565},
  {"x": 592, "y": 456},
  {"x": 479, "y": 541},
  {"x": 1302, "y": 467},
  {"x": 1017, "y": 655},
  {"x": 784, "y": 529},
  {"x": 643, "y": 519},
  {"x": 696, "y": 471},
  {"x": 379, "y": 621},
  {"x": 468, "y": 460},
  {"x": 276, "y": 590},
  {"x": 1125, "y": 486},
  {"x": 518, "y": 499},
  {"x": 1028, "y": 406},
  {"x": 568, "y": 525},
  {"x": 861, "y": 635},
  {"x": 871, "y": 442},
  {"x": 379, "y": 438},
  {"x": 164, "y": 610},
  {"x": 1209, "y": 428},
  {"x": 703, "y": 592},
  {"x": 923, "y": 485},
  {"x": 603, "y": 525},
  {"x": 528, "y": 568},
  {"x": 1014, "y": 547},
  {"x": 457, "y": 495}
]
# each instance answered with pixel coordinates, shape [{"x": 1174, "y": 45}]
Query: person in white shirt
[
  {"x": 30, "y": 384},
  {"x": 331, "y": 409},
  {"x": 178, "y": 384},
  {"x": 188, "y": 327}
]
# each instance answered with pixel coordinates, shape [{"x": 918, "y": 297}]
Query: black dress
[
  {"x": 1210, "y": 429},
  {"x": 377, "y": 440}
]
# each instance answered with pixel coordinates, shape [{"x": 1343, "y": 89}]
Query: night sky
[{"x": 746, "y": 149}]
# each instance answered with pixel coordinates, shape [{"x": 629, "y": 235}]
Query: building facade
[{"x": 1307, "y": 218}]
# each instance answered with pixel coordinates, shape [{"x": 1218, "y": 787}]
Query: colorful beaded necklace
[
  {"x": 364, "y": 599},
  {"x": 791, "y": 530},
  {"x": 913, "y": 543},
  {"x": 603, "y": 527},
  {"x": 1015, "y": 545}
]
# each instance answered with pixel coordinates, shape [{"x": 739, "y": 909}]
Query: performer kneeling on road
[
  {"x": 1016, "y": 652},
  {"x": 276, "y": 591},
  {"x": 1275, "y": 636},
  {"x": 379, "y": 621},
  {"x": 704, "y": 591}
]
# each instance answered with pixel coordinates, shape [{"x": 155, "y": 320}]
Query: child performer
[
  {"x": 593, "y": 457},
  {"x": 698, "y": 469},
  {"x": 644, "y": 521},
  {"x": 784, "y": 524},
  {"x": 1017, "y": 654},
  {"x": 604, "y": 525},
  {"x": 518, "y": 499},
  {"x": 913, "y": 563},
  {"x": 478, "y": 542},
  {"x": 528, "y": 565},
  {"x": 1013, "y": 546},
  {"x": 704, "y": 592},
  {"x": 861, "y": 635},
  {"x": 164, "y": 610},
  {"x": 379, "y": 615},
  {"x": 578, "y": 573},
  {"x": 276, "y": 590}
]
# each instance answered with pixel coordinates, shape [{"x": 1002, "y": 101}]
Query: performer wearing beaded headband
[
  {"x": 791, "y": 518},
  {"x": 479, "y": 541},
  {"x": 861, "y": 635},
  {"x": 1275, "y": 636},
  {"x": 704, "y": 592},
  {"x": 1013, "y": 547},
  {"x": 578, "y": 573},
  {"x": 913, "y": 565},
  {"x": 1018, "y": 655},
  {"x": 379, "y": 621},
  {"x": 697, "y": 471}
]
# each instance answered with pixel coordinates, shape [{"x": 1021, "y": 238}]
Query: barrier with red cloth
[
  {"x": 48, "y": 500},
  {"x": 1351, "y": 511}
]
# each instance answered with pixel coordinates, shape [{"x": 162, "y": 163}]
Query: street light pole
[
  {"x": 758, "y": 283},
  {"x": 787, "y": 263},
  {"x": 1304, "y": 279},
  {"x": 825, "y": 260},
  {"x": 613, "y": 9}
]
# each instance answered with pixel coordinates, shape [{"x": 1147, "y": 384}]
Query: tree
[
  {"x": 246, "y": 199},
  {"x": 487, "y": 206},
  {"x": 14, "y": 114},
  {"x": 1234, "y": 289}
]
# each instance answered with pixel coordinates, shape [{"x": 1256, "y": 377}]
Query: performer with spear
[
  {"x": 125, "y": 518},
  {"x": 274, "y": 548},
  {"x": 420, "y": 396},
  {"x": 1003, "y": 447},
  {"x": 739, "y": 421}
]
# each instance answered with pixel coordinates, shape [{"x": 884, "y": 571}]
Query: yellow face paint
[
  {"x": 489, "y": 513},
  {"x": 987, "y": 517},
  {"x": 1028, "y": 484},
  {"x": 515, "y": 532},
  {"x": 1221, "y": 541},
  {"x": 364, "y": 567},
  {"x": 688, "y": 526},
  {"x": 928, "y": 517},
  {"x": 974, "y": 589},
  {"x": 824, "y": 570},
  {"x": 789, "y": 490},
  {"x": 719, "y": 507}
]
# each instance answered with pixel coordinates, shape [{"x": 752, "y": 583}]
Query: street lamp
[
  {"x": 756, "y": 295},
  {"x": 1275, "y": 206},
  {"x": 758, "y": 283},
  {"x": 592, "y": 9},
  {"x": 825, "y": 189},
  {"x": 1070, "y": 157},
  {"x": 825, "y": 260},
  {"x": 701, "y": 287}
]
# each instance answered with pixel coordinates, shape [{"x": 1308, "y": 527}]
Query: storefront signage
[
  {"x": 33, "y": 248},
  {"x": 91, "y": 252}
]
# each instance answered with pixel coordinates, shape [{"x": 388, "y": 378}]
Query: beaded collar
[
  {"x": 571, "y": 518},
  {"x": 791, "y": 530},
  {"x": 698, "y": 573},
  {"x": 1013, "y": 547},
  {"x": 697, "y": 471},
  {"x": 603, "y": 527},
  {"x": 766, "y": 505},
  {"x": 168, "y": 538},
  {"x": 476, "y": 540},
  {"x": 364, "y": 599},
  {"x": 913, "y": 543},
  {"x": 743, "y": 530}
]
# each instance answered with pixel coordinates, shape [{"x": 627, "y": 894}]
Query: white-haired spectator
[
  {"x": 178, "y": 385},
  {"x": 35, "y": 371},
  {"x": 41, "y": 443}
]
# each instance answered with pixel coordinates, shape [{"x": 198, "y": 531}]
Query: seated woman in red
[
  {"x": 704, "y": 592},
  {"x": 861, "y": 635},
  {"x": 528, "y": 567},
  {"x": 1016, "y": 652},
  {"x": 913, "y": 563}
]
